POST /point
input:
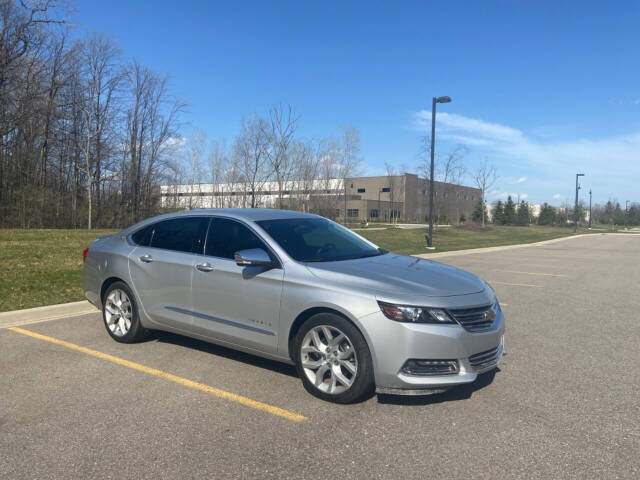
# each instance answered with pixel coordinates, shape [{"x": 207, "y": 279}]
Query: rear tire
[
  {"x": 333, "y": 360},
  {"x": 120, "y": 314}
]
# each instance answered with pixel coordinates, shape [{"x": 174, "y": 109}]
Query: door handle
[
  {"x": 146, "y": 259},
  {"x": 204, "y": 267}
]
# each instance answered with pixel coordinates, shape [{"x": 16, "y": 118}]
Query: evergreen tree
[
  {"x": 498, "y": 213},
  {"x": 547, "y": 215},
  {"x": 509, "y": 212},
  {"x": 522, "y": 218},
  {"x": 478, "y": 211}
]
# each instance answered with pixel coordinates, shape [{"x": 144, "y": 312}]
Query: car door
[
  {"x": 240, "y": 305},
  {"x": 162, "y": 266}
]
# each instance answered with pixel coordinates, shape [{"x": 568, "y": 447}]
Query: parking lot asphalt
[{"x": 564, "y": 403}]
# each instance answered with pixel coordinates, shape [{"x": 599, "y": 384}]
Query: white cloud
[
  {"x": 519, "y": 180},
  {"x": 557, "y": 196},
  {"x": 514, "y": 195},
  {"x": 610, "y": 164}
]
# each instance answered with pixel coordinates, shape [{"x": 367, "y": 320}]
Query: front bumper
[{"x": 393, "y": 343}]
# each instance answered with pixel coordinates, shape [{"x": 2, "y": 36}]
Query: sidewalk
[{"x": 470, "y": 251}]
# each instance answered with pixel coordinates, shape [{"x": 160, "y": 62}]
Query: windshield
[{"x": 317, "y": 240}]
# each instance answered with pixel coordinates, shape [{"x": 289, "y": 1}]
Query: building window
[
  {"x": 352, "y": 185},
  {"x": 424, "y": 191},
  {"x": 466, "y": 197},
  {"x": 267, "y": 192},
  {"x": 391, "y": 214},
  {"x": 457, "y": 195},
  {"x": 386, "y": 189},
  {"x": 361, "y": 190},
  {"x": 444, "y": 195},
  {"x": 353, "y": 212},
  {"x": 374, "y": 213},
  {"x": 473, "y": 197},
  {"x": 287, "y": 192}
]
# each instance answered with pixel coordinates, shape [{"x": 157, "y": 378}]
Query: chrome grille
[
  {"x": 475, "y": 319},
  {"x": 489, "y": 358}
]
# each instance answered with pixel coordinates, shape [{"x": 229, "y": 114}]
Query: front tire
[
  {"x": 333, "y": 359},
  {"x": 120, "y": 314}
]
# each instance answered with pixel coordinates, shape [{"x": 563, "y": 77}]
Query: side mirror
[{"x": 252, "y": 257}]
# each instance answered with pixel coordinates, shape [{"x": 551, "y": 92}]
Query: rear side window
[
  {"x": 226, "y": 237},
  {"x": 143, "y": 236},
  {"x": 179, "y": 234}
]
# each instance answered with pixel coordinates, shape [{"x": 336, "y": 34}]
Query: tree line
[
  {"x": 85, "y": 136},
  {"x": 267, "y": 154}
]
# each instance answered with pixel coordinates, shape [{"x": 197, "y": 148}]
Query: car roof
[
  {"x": 250, "y": 214},
  {"x": 253, "y": 214}
]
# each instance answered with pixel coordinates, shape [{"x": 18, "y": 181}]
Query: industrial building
[{"x": 382, "y": 198}]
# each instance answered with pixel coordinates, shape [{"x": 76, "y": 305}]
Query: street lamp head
[
  {"x": 443, "y": 99},
  {"x": 580, "y": 174}
]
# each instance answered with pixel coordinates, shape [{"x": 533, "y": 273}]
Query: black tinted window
[
  {"x": 142, "y": 236},
  {"x": 180, "y": 234},
  {"x": 226, "y": 237}
]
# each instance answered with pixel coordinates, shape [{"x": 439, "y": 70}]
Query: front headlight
[{"x": 411, "y": 314}]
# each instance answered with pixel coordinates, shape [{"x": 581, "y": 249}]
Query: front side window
[
  {"x": 226, "y": 237},
  {"x": 317, "y": 240},
  {"x": 179, "y": 234}
]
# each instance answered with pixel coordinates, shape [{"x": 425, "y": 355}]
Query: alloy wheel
[
  {"x": 117, "y": 312},
  {"x": 329, "y": 359}
]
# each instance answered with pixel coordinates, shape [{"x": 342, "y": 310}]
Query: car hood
[{"x": 391, "y": 273}]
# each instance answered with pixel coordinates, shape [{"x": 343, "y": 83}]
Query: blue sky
[{"x": 540, "y": 89}]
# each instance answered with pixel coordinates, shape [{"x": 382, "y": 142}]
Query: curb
[{"x": 42, "y": 314}]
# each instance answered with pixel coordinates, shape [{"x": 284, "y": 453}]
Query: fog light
[{"x": 430, "y": 367}]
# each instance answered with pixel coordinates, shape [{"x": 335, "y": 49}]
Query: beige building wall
[{"x": 412, "y": 192}]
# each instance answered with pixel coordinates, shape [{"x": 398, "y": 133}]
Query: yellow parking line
[
  {"x": 531, "y": 273},
  {"x": 492, "y": 282},
  {"x": 247, "y": 402},
  {"x": 504, "y": 304}
]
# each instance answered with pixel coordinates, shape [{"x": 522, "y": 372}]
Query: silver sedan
[{"x": 300, "y": 289}]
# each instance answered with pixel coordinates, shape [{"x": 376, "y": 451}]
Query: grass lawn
[
  {"x": 44, "y": 267},
  {"x": 411, "y": 241}
]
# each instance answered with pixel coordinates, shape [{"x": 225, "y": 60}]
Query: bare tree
[
  {"x": 282, "y": 128},
  {"x": 218, "y": 163},
  {"x": 484, "y": 178},
  {"x": 448, "y": 170},
  {"x": 251, "y": 149},
  {"x": 350, "y": 160},
  {"x": 102, "y": 76},
  {"x": 307, "y": 170},
  {"x": 391, "y": 178}
]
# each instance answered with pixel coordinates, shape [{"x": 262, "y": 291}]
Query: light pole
[
  {"x": 575, "y": 211},
  {"x": 589, "y": 209},
  {"x": 433, "y": 143},
  {"x": 626, "y": 214}
]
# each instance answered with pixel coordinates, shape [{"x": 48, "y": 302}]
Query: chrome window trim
[
  {"x": 134, "y": 244},
  {"x": 253, "y": 230}
]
